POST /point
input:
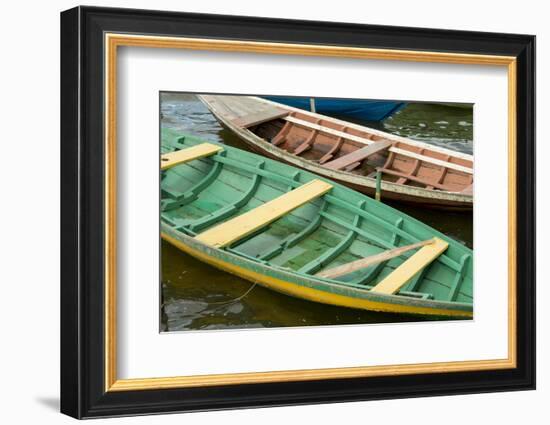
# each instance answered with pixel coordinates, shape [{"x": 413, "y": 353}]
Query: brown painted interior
[{"x": 319, "y": 146}]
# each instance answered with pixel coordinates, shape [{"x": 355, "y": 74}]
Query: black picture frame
[{"x": 83, "y": 392}]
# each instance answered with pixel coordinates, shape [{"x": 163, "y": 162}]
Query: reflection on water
[
  {"x": 197, "y": 296},
  {"x": 446, "y": 126}
]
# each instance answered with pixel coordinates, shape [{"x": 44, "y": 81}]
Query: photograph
[{"x": 285, "y": 211}]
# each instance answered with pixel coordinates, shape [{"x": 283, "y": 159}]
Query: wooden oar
[{"x": 373, "y": 259}]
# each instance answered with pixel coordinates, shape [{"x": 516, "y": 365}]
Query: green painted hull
[{"x": 340, "y": 227}]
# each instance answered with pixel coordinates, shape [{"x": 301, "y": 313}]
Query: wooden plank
[
  {"x": 381, "y": 134},
  {"x": 358, "y": 155},
  {"x": 218, "y": 107},
  {"x": 169, "y": 160},
  {"x": 363, "y": 263},
  {"x": 334, "y": 150},
  {"x": 239, "y": 227},
  {"x": 235, "y": 105},
  {"x": 295, "y": 238},
  {"x": 406, "y": 271},
  {"x": 431, "y": 160},
  {"x": 352, "y": 166},
  {"x": 414, "y": 171},
  {"x": 260, "y": 117},
  {"x": 328, "y": 130},
  {"x": 428, "y": 183},
  {"x": 369, "y": 142}
]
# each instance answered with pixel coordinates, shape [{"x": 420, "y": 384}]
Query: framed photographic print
[{"x": 261, "y": 212}]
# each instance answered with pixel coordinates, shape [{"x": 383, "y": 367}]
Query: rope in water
[{"x": 234, "y": 300}]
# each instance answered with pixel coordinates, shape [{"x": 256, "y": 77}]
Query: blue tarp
[{"x": 371, "y": 110}]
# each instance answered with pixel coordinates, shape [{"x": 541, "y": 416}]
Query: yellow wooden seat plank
[
  {"x": 182, "y": 156},
  {"x": 247, "y": 223},
  {"x": 402, "y": 274}
]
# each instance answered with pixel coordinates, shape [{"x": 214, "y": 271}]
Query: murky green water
[{"x": 196, "y": 296}]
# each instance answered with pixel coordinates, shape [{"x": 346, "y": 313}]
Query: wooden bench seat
[
  {"x": 169, "y": 160},
  {"x": 245, "y": 224},
  {"x": 358, "y": 155},
  {"x": 406, "y": 271}
]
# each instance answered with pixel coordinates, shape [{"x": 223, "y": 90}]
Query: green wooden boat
[{"x": 297, "y": 233}]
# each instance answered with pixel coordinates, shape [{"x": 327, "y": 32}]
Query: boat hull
[
  {"x": 393, "y": 191},
  {"x": 284, "y": 246},
  {"x": 370, "y": 110}
]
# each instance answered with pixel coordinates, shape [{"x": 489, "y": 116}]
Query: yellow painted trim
[
  {"x": 406, "y": 271},
  {"x": 113, "y": 41},
  {"x": 310, "y": 294},
  {"x": 245, "y": 224},
  {"x": 169, "y": 160}
]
